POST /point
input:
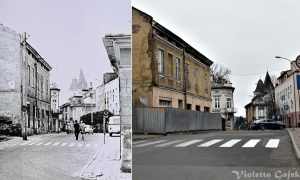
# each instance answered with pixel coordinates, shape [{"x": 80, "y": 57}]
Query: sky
[
  {"x": 68, "y": 34},
  {"x": 244, "y": 36}
]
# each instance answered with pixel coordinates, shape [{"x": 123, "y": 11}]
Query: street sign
[
  {"x": 24, "y": 108},
  {"x": 298, "y": 61},
  {"x": 286, "y": 107}
]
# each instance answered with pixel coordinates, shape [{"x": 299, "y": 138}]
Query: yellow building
[{"x": 166, "y": 70}]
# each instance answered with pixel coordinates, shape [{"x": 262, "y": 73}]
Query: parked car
[
  {"x": 266, "y": 124},
  {"x": 88, "y": 129},
  {"x": 114, "y": 125}
]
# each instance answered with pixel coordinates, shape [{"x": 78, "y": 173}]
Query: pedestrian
[
  {"x": 77, "y": 129},
  {"x": 82, "y": 129}
]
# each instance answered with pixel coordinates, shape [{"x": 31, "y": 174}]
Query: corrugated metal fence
[{"x": 165, "y": 120}]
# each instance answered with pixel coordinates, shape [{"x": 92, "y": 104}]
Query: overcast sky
[
  {"x": 244, "y": 36},
  {"x": 68, "y": 34}
]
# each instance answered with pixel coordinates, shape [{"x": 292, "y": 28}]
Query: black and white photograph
[
  {"x": 65, "y": 89},
  {"x": 215, "y": 89}
]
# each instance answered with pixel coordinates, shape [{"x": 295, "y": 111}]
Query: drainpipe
[
  {"x": 36, "y": 96},
  {"x": 184, "y": 78}
]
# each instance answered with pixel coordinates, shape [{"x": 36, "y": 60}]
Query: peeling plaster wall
[
  {"x": 10, "y": 72},
  {"x": 141, "y": 59}
]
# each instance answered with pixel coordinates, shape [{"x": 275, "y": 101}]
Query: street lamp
[{"x": 296, "y": 70}]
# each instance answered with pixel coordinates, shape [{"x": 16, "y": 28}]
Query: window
[
  {"x": 113, "y": 95},
  {"x": 206, "y": 83},
  {"x": 291, "y": 88},
  {"x": 47, "y": 86},
  {"x": 42, "y": 83},
  {"x": 164, "y": 103},
  {"x": 217, "y": 102},
  {"x": 38, "y": 82},
  {"x": 170, "y": 63},
  {"x": 28, "y": 75},
  {"x": 187, "y": 70},
  {"x": 33, "y": 77},
  {"x": 196, "y": 77},
  {"x": 228, "y": 102},
  {"x": 197, "y": 108},
  {"x": 180, "y": 104},
  {"x": 206, "y": 109},
  {"x": 177, "y": 69},
  {"x": 160, "y": 61},
  {"x": 189, "y": 106}
]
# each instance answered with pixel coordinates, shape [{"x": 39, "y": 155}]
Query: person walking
[
  {"x": 82, "y": 128},
  {"x": 77, "y": 129}
]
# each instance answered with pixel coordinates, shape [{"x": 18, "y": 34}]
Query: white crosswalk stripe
[
  {"x": 72, "y": 144},
  {"x": 30, "y": 144},
  {"x": 230, "y": 143},
  {"x": 169, "y": 143},
  {"x": 187, "y": 143},
  {"x": 209, "y": 143},
  {"x": 24, "y": 143},
  {"x": 39, "y": 143},
  {"x": 273, "y": 143},
  {"x": 88, "y": 145},
  {"x": 150, "y": 143},
  {"x": 79, "y": 145},
  {"x": 251, "y": 143},
  {"x": 48, "y": 143},
  {"x": 63, "y": 144},
  {"x": 55, "y": 144}
]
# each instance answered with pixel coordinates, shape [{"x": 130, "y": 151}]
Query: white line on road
[
  {"x": 32, "y": 143},
  {"x": 251, "y": 143},
  {"x": 63, "y": 144},
  {"x": 138, "y": 142},
  {"x": 39, "y": 143},
  {"x": 150, "y": 143},
  {"x": 79, "y": 145},
  {"x": 88, "y": 145},
  {"x": 209, "y": 143},
  {"x": 230, "y": 143},
  {"x": 55, "y": 144},
  {"x": 273, "y": 143},
  {"x": 168, "y": 143},
  {"x": 187, "y": 143},
  {"x": 48, "y": 143},
  {"x": 25, "y": 143},
  {"x": 72, "y": 144}
]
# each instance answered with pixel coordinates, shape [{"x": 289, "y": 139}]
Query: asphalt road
[
  {"x": 46, "y": 157},
  {"x": 269, "y": 156}
]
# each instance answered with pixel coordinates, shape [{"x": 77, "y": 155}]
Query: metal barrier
[{"x": 166, "y": 120}]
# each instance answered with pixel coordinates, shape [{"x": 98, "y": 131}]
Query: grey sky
[
  {"x": 244, "y": 36},
  {"x": 68, "y": 34}
]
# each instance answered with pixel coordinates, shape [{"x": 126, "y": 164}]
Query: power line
[{"x": 257, "y": 73}]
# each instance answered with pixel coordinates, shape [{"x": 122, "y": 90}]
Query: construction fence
[{"x": 162, "y": 120}]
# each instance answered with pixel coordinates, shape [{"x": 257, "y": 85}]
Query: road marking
[
  {"x": 39, "y": 143},
  {"x": 72, "y": 144},
  {"x": 79, "y": 145},
  {"x": 251, "y": 143},
  {"x": 209, "y": 143},
  {"x": 48, "y": 143},
  {"x": 187, "y": 143},
  {"x": 273, "y": 143},
  {"x": 230, "y": 143},
  {"x": 32, "y": 143},
  {"x": 150, "y": 143},
  {"x": 25, "y": 143},
  {"x": 55, "y": 144},
  {"x": 168, "y": 143},
  {"x": 88, "y": 145},
  {"x": 138, "y": 142},
  {"x": 95, "y": 145},
  {"x": 63, "y": 144}
]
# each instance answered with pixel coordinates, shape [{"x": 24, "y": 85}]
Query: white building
[
  {"x": 99, "y": 98},
  {"x": 112, "y": 100}
]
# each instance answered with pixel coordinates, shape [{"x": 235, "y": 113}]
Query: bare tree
[{"x": 220, "y": 73}]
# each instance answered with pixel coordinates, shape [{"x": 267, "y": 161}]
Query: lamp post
[{"x": 296, "y": 70}]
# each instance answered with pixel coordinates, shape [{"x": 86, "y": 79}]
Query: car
[
  {"x": 114, "y": 125},
  {"x": 88, "y": 129},
  {"x": 263, "y": 124}
]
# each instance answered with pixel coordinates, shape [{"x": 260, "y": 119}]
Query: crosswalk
[
  {"x": 47, "y": 144},
  {"x": 271, "y": 143}
]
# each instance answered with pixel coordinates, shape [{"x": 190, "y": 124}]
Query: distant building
[
  {"x": 167, "y": 71},
  {"x": 55, "y": 111},
  {"x": 112, "y": 100},
  {"x": 223, "y": 103},
  {"x": 261, "y": 104},
  {"x": 25, "y": 82}
]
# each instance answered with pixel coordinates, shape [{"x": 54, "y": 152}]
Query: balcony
[
  {"x": 56, "y": 111},
  {"x": 225, "y": 110}
]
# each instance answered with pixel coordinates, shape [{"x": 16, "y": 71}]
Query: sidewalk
[
  {"x": 295, "y": 137},
  {"x": 105, "y": 165}
]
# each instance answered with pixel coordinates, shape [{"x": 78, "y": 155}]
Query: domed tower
[{"x": 54, "y": 94}]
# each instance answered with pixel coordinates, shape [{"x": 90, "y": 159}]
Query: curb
[
  {"x": 87, "y": 165},
  {"x": 296, "y": 149}
]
